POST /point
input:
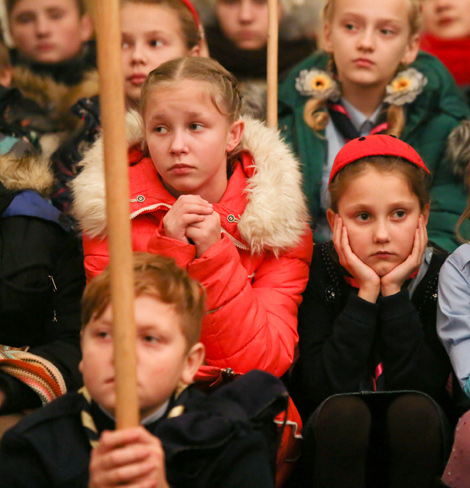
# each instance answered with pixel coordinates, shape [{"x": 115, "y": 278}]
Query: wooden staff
[
  {"x": 273, "y": 27},
  {"x": 117, "y": 197}
]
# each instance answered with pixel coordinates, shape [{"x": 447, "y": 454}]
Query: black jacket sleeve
[
  {"x": 62, "y": 347},
  {"x": 413, "y": 358},
  {"x": 334, "y": 349},
  {"x": 18, "y": 395}
]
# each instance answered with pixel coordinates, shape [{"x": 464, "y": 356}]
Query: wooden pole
[
  {"x": 117, "y": 197},
  {"x": 273, "y": 27}
]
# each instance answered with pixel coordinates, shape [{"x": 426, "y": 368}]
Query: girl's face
[
  {"x": 188, "y": 139},
  {"x": 447, "y": 19},
  {"x": 381, "y": 215},
  {"x": 151, "y": 35},
  {"x": 369, "y": 39}
]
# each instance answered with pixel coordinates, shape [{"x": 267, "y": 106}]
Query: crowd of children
[{"x": 310, "y": 275}]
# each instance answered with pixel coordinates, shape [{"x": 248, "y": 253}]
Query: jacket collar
[{"x": 275, "y": 213}]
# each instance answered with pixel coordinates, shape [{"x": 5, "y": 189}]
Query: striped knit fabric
[{"x": 36, "y": 372}]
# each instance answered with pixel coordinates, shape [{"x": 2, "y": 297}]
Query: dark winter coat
[
  {"x": 341, "y": 336},
  {"x": 41, "y": 279},
  {"x": 222, "y": 440}
]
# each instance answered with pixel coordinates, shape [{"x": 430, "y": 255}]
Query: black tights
[{"x": 360, "y": 442}]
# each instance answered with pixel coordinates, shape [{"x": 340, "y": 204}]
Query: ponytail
[
  {"x": 315, "y": 114},
  {"x": 395, "y": 120}
]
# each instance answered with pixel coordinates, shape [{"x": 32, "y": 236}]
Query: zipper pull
[{"x": 54, "y": 286}]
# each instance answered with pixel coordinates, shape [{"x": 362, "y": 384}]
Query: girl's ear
[
  {"x": 194, "y": 359},
  {"x": 195, "y": 51},
  {"x": 327, "y": 43},
  {"x": 330, "y": 215},
  {"x": 201, "y": 50},
  {"x": 234, "y": 135},
  {"x": 425, "y": 213},
  {"x": 86, "y": 27},
  {"x": 411, "y": 50}
]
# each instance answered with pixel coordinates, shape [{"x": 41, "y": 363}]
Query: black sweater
[{"x": 342, "y": 336}]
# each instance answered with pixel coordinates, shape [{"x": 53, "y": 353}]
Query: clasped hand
[
  {"x": 128, "y": 457},
  {"x": 193, "y": 219}
]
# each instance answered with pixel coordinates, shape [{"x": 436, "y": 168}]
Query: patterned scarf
[{"x": 34, "y": 371}]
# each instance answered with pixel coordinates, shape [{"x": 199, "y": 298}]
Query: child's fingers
[
  {"x": 193, "y": 204},
  {"x": 420, "y": 243},
  {"x": 195, "y": 208},
  {"x": 127, "y": 474},
  {"x": 424, "y": 231},
  {"x": 109, "y": 440}
]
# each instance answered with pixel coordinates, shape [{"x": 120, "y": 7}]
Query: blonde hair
[
  {"x": 415, "y": 16},
  {"x": 158, "y": 277},
  {"x": 223, "y": 85},
  {"x": 315, "y": 115}
]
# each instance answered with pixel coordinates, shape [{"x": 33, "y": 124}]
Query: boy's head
[
  {"x": 169, "y": 307},
  {"x": 49, "y": 31}
]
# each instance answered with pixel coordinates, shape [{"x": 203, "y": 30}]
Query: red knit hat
[{"x": 374, "y": 145}]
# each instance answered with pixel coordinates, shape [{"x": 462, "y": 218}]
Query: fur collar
[
  {"x": 54, "y": 96},
  {"x": 26, "y": 173},
  {"x": 275, "y": 216}
]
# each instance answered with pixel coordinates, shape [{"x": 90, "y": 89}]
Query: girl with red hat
[
  {"x": 371, "y": 79},
  {"x": 371, "y": 367}
]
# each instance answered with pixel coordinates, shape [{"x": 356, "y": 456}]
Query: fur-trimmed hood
[
  {"x": 275, "y": 215},
  {"x": 54, "y": 96},
  {"x": 26, "y": 173}
]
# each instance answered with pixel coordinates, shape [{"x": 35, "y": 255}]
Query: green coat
[{"x": 429, "y": 120}]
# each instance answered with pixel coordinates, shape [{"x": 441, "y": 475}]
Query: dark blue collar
[{"x": 29, "y": 203}]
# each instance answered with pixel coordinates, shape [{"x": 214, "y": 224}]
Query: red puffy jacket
[{"x": 254, "y": 276}]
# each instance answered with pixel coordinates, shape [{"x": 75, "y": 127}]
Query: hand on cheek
[
  {"x": 206, "y": 233},
  {"x": 130, "y": 457},
  {"x": 391, "y": 283},
  {"x": 367, "y": 278},
  {"x": 187, "y": 210}
]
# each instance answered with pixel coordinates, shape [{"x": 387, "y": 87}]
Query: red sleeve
[{"x": 251, "y": 322}]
